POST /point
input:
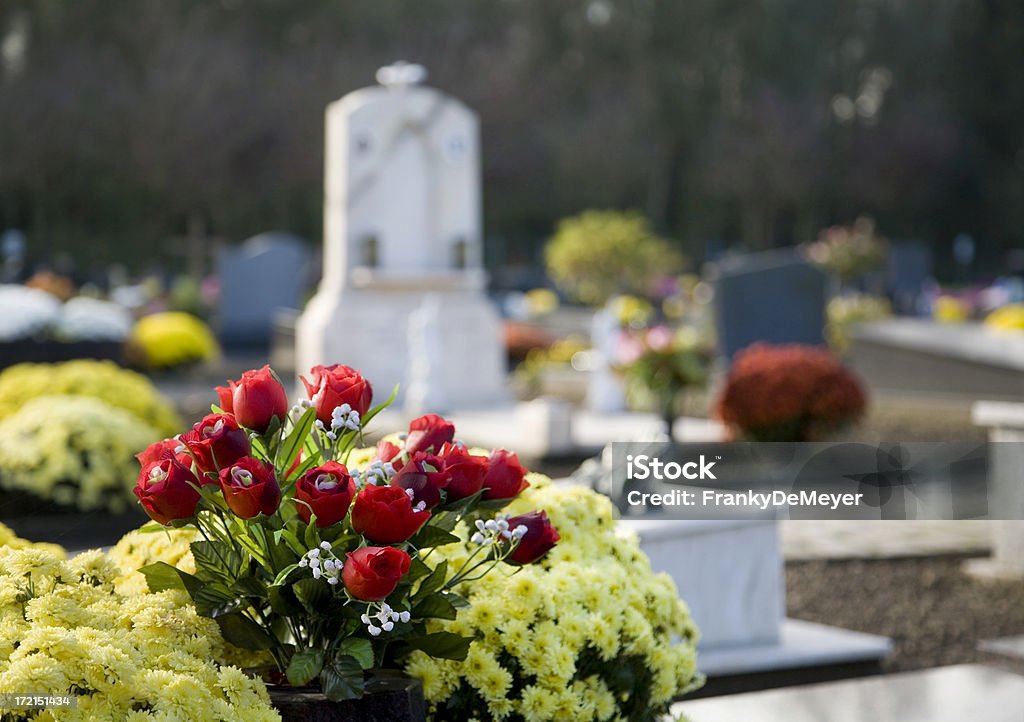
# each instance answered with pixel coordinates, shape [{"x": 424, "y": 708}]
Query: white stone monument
[
  {"x": 402, "y": 221},
  {"x": 605, "y": 390}
]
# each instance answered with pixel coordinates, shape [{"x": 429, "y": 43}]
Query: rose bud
[
  {"x": 257, "y": 398},
  {"x": 466, "y": 471},
  {"x": 166, "y": 449},
  {"x": 505, "y": 476},
  {"x": 216, "y": 442},
  {"x": 165, "y": 490},
  {"x": 224, "y": 398},
  {"x": 425, "y": 475},
  {"x": 385, "y": 514},
  {"x": 388, "y": 453},
  {"x": 372, "y": 573},
  {"x": 328, "y": 492},
  {"x": 332, "y": 386},
  {"x": 250, "y": 488},
  {"x": 429, "y": 432},
  {"x": 538, "y": 537}
]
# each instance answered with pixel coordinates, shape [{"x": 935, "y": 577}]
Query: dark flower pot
[{"x": 388, "y": 698}]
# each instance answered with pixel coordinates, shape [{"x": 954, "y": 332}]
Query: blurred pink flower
[{"x": 659, "y": 338}]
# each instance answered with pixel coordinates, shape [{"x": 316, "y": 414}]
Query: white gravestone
[
  {"x": 605, "y": 390},
  {"x": 402, "y": 221}
]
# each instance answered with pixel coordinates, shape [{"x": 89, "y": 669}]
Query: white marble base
[
  {"x": 729, "y": 572},
  {"x": 367, "y": 329},
  {"x": 1012, "y": 647},
  {"x": 551, "y": 427},
  {"x": 1005, "y": 422},
  {"x": 800, "y": 644},
  {"x": 947, "y": 694}
]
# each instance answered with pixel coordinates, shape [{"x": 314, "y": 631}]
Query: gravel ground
[{"x": 934, "y": 613}]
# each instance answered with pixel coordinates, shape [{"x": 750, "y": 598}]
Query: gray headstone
[
  {"x": 772, "y": 296},
  {"x": 908, "y": 270},
  {"x": 264, "y": 274}
]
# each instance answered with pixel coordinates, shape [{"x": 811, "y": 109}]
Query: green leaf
[
  {"x": 243, "y": 632},
  {"x": 456, "y": 600},
  {"x": 303, "y": 467},
  {"x": 217, "y": 559},
  {"x": 292, "y": 541},
  {"x": 295, "y": 440},
  {"x": 434, "y": 606},
  {"x": 249, "y": 586},
  {"x": 417, "y": 570},
  {"x": 342, "y": 679},
  {"x": 461, "y": 507},
  {"x": 215, "y": 600},
  {"x": 312, "y": 535},
  {"x": 304, "y": 667},
  {"x": 359, "y": 649},
  {"x": 433, "y": 582},
  {"x": 283, "y": 601},
  {"x": 432, "y": 536},
  {"x": 444, "y": 645},
  {"x": 161, "y": 576},
  {"x": 283, "y": 574},
  {"x": 313, "y": 593}
]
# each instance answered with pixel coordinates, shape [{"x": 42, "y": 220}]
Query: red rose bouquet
[
  {"x": 318, "y": 562},
  {"x": 789, "y": 393}
]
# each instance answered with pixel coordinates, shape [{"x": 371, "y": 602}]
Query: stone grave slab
[
  {"x": 946, "y": 694},
  {"x": 906, "y": 355}
]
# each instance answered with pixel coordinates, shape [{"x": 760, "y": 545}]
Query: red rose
[
  {"x": 429, "y": 432},
  {"x": 166, "y": 449},
  {"x": 250, "y": 488},
  {"x": 505, "y": 476},
  {"x": 539, "y": 539},
  {"x": 216, "y": 442},
  {"x": 165, "y": 490},
  {"x": 466, "y": 471},
  {"x": 256, "y": 399},
  {"x": 388, "y": 452},
  {"x": 372, "y": 573},
  {"x": 224, "y": 397},
  {"x": 331, "y": 386},
  {"x": 384, "y": 514},
  {"x": 328, "y": 489},
  {"x": 425, "y": 475}
]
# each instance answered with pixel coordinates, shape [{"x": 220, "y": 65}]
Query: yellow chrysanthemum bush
[
  {"x": 172, "y": 338},
  {"x": 587, "y": 633},
  {"x": 103, "y": 380},
  {"x": 74, "y": 451},
  {"x": 1008, "y": 318},
  {"x": 65, "y": 629}
]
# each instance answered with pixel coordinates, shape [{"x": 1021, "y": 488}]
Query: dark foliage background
[{"x": 749, "y": 122}]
